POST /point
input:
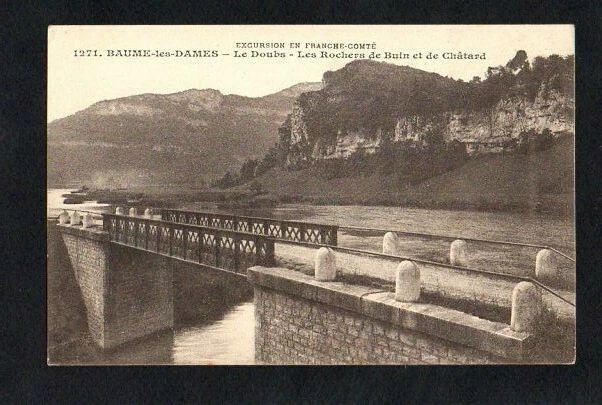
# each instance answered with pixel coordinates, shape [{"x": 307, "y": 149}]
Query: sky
[{"x": 75, "y": 82}]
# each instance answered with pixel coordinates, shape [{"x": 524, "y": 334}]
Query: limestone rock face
[
  {"x": 506, "y": 121},
  {"x": 510, "y": 117},
  {"x": 365, "y": 106},
  {"x": 200, "y": 100},
  {"x": 299, "y": 142},
  {"x": 116, "y": 107}
]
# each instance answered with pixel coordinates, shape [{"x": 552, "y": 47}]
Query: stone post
[
  {"x": 88, "y": 220},
  {"x": 458, "y": 253},
  {"x": 407, "y": 282},
  {"x": 527, "y": 306},
  {"x": 64, "y": 217},
  {"x": 546, "y": 268},
  {"x": 119, "y": 211},
  {"x": 148, "y": 213},
  {"x": 390, "y": 243},
  {"x": 133, "y": 212},
  {"x": 75, "y": 218},
  {"x": 325, "y": 264}
]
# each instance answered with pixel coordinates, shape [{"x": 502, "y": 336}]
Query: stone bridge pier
[{"x": 127, "y": 293}]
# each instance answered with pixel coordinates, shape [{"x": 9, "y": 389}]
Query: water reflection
[
  {"x": 229, "y": 341},
  {"x": 224, "y": 342}
]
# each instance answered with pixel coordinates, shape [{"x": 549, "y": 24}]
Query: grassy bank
[
  {"x": 540, "y": 182},
  {"x": 537, "y": 182}
]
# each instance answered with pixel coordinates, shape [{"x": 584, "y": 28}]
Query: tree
[
  {"x": 519, "y": 61},
  {"x": 256, "y": 187},
  {"x": 434, "y": 135},
  {"x": 247, "y": 171},
  {"x": 227, "y": 181}
]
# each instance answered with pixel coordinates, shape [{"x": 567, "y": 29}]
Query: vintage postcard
[{"x": 275, "y": 195}]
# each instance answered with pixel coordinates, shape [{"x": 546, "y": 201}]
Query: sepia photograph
[{"x": 311, "y": 195}]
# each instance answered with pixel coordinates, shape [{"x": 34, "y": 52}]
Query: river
[{"x": 229, "y": 340}]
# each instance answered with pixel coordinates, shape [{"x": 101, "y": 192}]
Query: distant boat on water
[{"x": 83, "y": 190}]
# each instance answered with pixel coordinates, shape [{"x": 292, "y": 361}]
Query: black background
[{"x": 25, "y": 376}]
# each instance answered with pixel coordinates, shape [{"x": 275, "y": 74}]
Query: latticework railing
[
  {"x": 296, "y": 231},
  {"x": 222, "y": 248}
]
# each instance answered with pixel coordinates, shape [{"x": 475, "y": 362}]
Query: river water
[{"x": 229, "y": 340}]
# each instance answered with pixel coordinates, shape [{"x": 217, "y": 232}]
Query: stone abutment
[{"x": 127, "y": 293}]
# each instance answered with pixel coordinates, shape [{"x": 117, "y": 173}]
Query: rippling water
[
  {"x": 516, "y": 227},
  {"x": 501, "y": 226}
]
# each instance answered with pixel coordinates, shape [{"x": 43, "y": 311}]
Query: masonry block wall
[
  {"x": 88, "y": 257},
  {"x": 139, "y": 295},
  {"x": 66, "y": 313},
  {"x": 127, "y": 294},
  {"x": 303, "y": 321}
]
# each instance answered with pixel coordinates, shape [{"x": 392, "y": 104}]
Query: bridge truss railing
[
  {"x": 295, "y": 231},
  {"x": 220, "y": 248}
]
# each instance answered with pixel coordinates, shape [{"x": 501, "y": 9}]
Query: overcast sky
[{"x": 76, "y": 82}]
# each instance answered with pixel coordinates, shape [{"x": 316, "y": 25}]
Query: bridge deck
[{"x": 224, "y": 243}]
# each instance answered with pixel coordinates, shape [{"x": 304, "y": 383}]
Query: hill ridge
[{"x": 192, "y": 136}]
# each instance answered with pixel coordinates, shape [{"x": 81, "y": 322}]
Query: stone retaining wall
[{"x": 303, "y": 321}]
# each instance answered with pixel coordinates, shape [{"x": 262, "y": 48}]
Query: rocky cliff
[
  {"x": 553, "y": 111},
  {"x": 367, "y": 104}
]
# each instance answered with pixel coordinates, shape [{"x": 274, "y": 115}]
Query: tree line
[{"x": 377, "y": 103}]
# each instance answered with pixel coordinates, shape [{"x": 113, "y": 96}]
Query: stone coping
[
  {"x": 94, "y": 232},
  {"x": 445, "y": 323}
]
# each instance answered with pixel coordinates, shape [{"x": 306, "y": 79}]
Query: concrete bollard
[
  {"x": 407, "y": 282},
  {"x": 390, "y": 243},
  {"x": 325, "y": 264},
  {"x": 458, "y": 253},
  {"x": 133, "y": 212},
  {"x": 64, "y": 217},
  {"x": 119, "y": 211},
  {"x": 527, "y": 306},
  {"x": 88, "y": 220},
  {"x": 75, "y": 218},
  {"x": 148, "y": 213},
  {"x": 546, "y": 268}
]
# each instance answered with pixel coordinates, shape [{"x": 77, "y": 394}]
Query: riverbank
[
  {"x": 540, "y": 183},
  {"x": 553, "y": 205}
]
